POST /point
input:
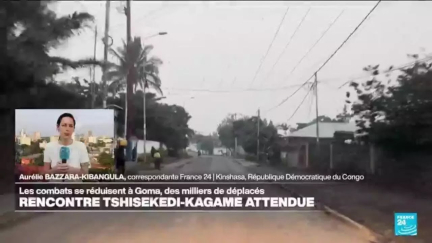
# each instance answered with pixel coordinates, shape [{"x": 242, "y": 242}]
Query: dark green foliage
[
  {"x": 245, "y": 129},
  {"x": 398, "y": 117},
  {"x": 205, "y": 143},
  {"x": 30, "y": 30},
  {"x": 105, "y": 159}
]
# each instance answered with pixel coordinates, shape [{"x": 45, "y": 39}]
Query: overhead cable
[
  {"x": 270, "y": 46},
  {"x": 331, "y": 56}
]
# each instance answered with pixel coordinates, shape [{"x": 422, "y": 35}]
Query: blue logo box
[{"x": 405, "y": 224}]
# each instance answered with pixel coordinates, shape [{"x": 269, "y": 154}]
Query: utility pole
[
  {"x": 106, "y": 46},
  {"x": 144, "y": 120},
  {"x": 235, "y": 138},
  {"x": 258, "y": 133},
  {"x": 93, "y": 71},
  {"x": 235, "y": 147},
  {"x": 129, "y": 90},
  {"x": 316, "y": 109}
]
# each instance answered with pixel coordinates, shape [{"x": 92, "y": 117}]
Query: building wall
[
  {"x": 36, "y": 136},
  {"x": 310, "y": 140},
  {"x": 25, "y": 140},
  {"x": 92, "y": 139},
  {"x": 219, "y": 151}
]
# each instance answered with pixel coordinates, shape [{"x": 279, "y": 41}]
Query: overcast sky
[
  {"x": 99, "y": 121},
  {"x": 213, "y": 50}
]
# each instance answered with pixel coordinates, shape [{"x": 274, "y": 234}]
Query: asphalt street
[{"x": 248, "y": 227}]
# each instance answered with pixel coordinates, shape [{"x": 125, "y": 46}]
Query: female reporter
[{"x": 77, "y": 159}]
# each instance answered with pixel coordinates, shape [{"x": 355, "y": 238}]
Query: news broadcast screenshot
[{"x": 136, "y": 121}]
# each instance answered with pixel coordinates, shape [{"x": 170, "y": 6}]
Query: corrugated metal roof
[
  {"x": 326, "y": 129},
  {"x": 282, "y": 133}
]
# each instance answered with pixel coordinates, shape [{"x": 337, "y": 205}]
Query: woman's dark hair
[{"x": 63, "y": 116}]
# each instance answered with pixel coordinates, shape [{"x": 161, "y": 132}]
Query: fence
[{"x": 405, "y": 168}]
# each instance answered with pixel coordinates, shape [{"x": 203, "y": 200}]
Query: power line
[
  {"x": 288, "y": 43},
  {"x": 334, "y": 53},
  {"x": 301, "y": 103},
  {"x": 270, "y": 46},
  {"x": 323, "y": 34},
  {"x": 302, "y": 85},
  {"x": 310, "y": 105},
  {"x": 349, "y": 36},
  {"x": 287, "y": 98},
  {"x": 390, "y": 70},
  {"x": 145, "y": 16},
  {"x": 234, "y": 91},
  {"x": 310, "y": 49}
]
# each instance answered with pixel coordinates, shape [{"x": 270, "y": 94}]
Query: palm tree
[
  {"x": 90, "y": 91},
  {"x": 33, "y": 30},
  {"x": 30, "y": 30},
  {"x": 147, "y": 69}
]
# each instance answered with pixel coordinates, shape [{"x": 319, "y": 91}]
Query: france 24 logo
[{"x": 405, "y": 224}]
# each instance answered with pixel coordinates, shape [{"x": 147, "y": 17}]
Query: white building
[
  {"x": 220, "y": 151},
  {"x": 107, "y": 140},
  {"x": 25, "y": 140},
  {"x": 92, "y": 139},
  {"x": 36, "y": 136}
]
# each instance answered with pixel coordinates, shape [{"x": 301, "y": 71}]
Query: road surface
[{"x": 221, "y": 227}]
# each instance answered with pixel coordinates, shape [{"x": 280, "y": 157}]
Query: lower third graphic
[{"x": 405, "y": 224}]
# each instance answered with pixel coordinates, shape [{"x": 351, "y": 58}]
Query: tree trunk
[
  {"x": 129, "y": 91},
  {"x": 7, "y": 137}
]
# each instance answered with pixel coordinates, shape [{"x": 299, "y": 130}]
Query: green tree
[
  {"x": 31, "y": 149},
  {"x": 165, "y": 123},
  {"x": 206, "y": 143},
  {"x": 245, "y": 129},
  {"x": 105, "y": 159},
  {"x": 39, "y": 161},
  {"x": 396, "y": 117},
  {"x": 226, "y": 131},
  {"x": 144, "y": 72},
  {"x": 146, "y": 68},
  {"x": 91, "y": 91},
  {"x": 31, "y": 30}
]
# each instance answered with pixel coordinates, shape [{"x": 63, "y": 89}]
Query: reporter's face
[{"x": 66, "y": 127}]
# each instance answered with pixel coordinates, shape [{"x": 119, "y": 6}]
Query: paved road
[{"x": 221, "y": 227}]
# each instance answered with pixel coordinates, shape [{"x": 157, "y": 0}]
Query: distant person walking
[
  {"x": 134, "y": 148},
  {"x": 157, "y": 160},
  {"x": 120, "y": 157},
  {"x": 152, "y": 151}
]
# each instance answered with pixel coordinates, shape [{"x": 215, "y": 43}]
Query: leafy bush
[
  {"x": 39, "y": 161},
  {"x": 106, "y": 159}
]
